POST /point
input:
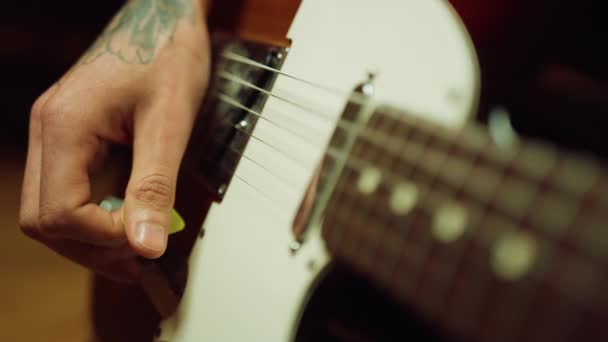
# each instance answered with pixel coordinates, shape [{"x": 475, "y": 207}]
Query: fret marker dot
[
  {"x": 449, "y": 222},
  {"x": 403, "y": 199},
  {"x": 514, "y": 255},
  {"x": 369, "y": 180}
]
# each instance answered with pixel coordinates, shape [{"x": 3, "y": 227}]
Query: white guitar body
[{"x": 244, "y": 283}]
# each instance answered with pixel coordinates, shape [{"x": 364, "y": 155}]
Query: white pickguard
[{"x": 244, "y": 285}]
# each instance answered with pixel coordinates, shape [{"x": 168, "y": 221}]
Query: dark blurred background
[
  {"x": 42, "y": 296},
  {"x": 544, "y": 61},
  {"x": 39, "y": 41}
]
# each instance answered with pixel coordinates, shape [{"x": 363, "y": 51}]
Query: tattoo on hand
[{"x": 138, "y": 30}]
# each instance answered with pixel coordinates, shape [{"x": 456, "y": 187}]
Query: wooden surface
[
  {"x": 266, "y": 21},
  {"x": 43, "y": 297}
]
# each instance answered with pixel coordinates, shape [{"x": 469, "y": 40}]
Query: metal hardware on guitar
[{"x": 215, "y": 151}]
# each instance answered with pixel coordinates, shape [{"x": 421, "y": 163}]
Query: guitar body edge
[{"x": 244, "y": 283}]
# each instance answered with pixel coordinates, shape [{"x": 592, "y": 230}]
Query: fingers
[
  {"x": 161, "y": 135},
  {"x": 28, "y": 213},
  {"x": 115, "y": 263},
  {"x": 51, "y": 224},
  {"x": 69, "y": 148}
]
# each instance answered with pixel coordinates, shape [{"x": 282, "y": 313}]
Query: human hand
[{"x": 141, "y": 83}]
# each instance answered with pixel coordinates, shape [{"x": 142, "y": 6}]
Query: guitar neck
[{"x": 492, "y": 243}]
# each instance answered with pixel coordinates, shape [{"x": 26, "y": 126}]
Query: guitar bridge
[{"x": 242, "y": 75}]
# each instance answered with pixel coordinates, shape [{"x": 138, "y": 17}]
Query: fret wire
[
  {"x": 512, "y": 305},
  {"x": 431, "y": 241},
  {"x": 486, "y": 272},
  {"x": 522, "y": 308},
  {"x": 427, "y": 243},
  {"x": 351, "y": 206},
  {"x": 466, "y": 244},
  {"x": 455, "y": 253},
  {"x": 486, "y": 277},
  {"x": 473, "y": 220},
  {"x": 342, "y": 156},
  {"x": 355, "y": 239},
  {"x": 356, "y": 163},
  {"x": 367, "y": 212},
  {"x": 340, "y": 235},
  {"x": 392, "y": 218},
  {"x": 390, "y": 179},
  {"x": 339, "y": 198}
]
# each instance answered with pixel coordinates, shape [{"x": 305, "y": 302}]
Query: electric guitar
[{"x": 348, "y": 194}]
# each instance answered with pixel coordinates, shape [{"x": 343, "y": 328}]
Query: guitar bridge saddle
[{"x": 243, "y": 74}]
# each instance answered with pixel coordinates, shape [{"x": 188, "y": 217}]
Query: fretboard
[{"x": 490, "y": 243}]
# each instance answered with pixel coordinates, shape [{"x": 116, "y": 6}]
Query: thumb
[{"x": 160, "y": 137}]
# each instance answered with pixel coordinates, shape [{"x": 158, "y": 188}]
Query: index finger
[{"x": 68, "y": 151}]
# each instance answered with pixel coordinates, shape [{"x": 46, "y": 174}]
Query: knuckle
[
  {"x": 51, "y": 111},
  {"x": 29, "y": 226},
  {"x": 154, "y": 190},
  {"x": 41, "y": 101},
  {"x": 36, "y": 110},
  {"x": 51, "y": 220}
]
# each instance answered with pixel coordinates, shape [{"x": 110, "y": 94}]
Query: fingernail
[{"x": 152, "y": 236}]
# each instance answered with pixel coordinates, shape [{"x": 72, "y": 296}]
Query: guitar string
[
  {"x": 229, "y": 100},
  {"x": 286, "y": 155},
  {"x": 330, "y": 90},
  {"x": 236, "y": 79},
  {"x": 353, "y": 162},
  {"x": 354, "y": 97},
  {"x": 370, "y": 136},
  {"x": 285, "y": 181},
  {"x": 389, "y": 177},
  {"x": 374, "y": 138},
  {"x": 341, "y": 122},
  {"x": 253, "y": 63}
]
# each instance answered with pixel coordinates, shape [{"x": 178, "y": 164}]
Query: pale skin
[{"x": 140, "y": 84}]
